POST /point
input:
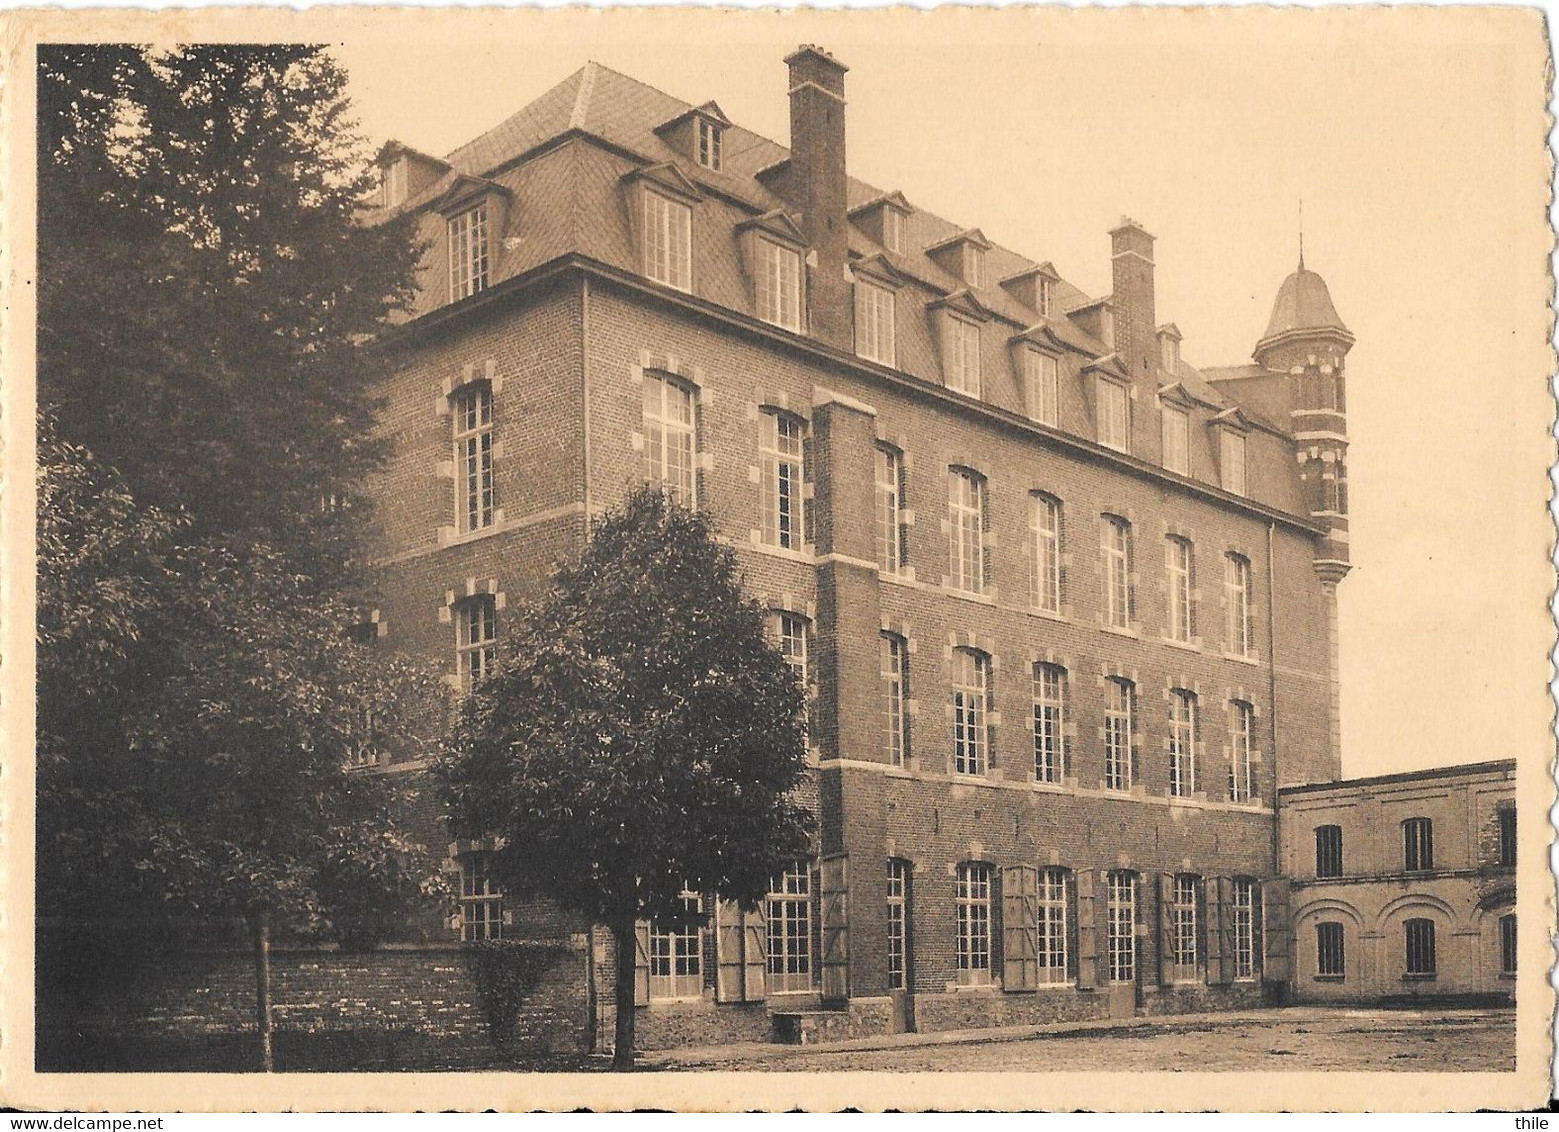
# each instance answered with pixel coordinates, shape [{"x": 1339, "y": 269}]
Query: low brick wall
[
  {"x": 974, "y": 1009},
  {"x": 411, "y": 1008}
]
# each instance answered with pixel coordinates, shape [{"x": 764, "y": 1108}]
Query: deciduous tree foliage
[
  {"x": 639, "y": 736},
  {"x": 205, "y": 289}
]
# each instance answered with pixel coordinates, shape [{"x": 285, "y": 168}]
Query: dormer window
[
  {"x": 893, "y": 229},
  {"x": 961, "y": 355},
  {"x": 393, "y": 184},
  {"x": 668, "y": 241},
  {"x": 1169, "y": 354},
  {"x": 1231, "y": 452},
  {"x": 973, "y": 264},
  {"x": 709, "y": 144},
  {"x": 468, "y": 252},
  {"x": 779, "y": 284},
  {"x": 1114, "y": 414},
  {"x": 1044, "y": 295}
]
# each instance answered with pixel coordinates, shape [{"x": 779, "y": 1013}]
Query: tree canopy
[{"x": 640, "y": 735}]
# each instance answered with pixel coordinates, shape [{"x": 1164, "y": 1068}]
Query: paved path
[{"x": 1292, "y": 1038}]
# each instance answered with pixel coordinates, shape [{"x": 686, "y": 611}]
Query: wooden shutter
[
  {"x": 1087, "y": 932},
  {"x": 1020, "y": 927},
  {"x": 1274, "y": 914},
  {"x": 641, "y": 963},
  {"x": 728, "y": 951},
  {"x": 755, "y": 953},
  {"x": 836, "y": 927},
  {"x": 1166, "y": 928},
  {"x": 1220, "y": 954}
]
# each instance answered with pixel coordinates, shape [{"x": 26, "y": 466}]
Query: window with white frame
[
  {"x": 895, "y": 698},
  {"x": 1418, "y": 845},
  {"x": 893, "y": 229},
  {"x": 783, "y": 476},
  {"x": 477, "y": 641},
  {"x": 1049, "y": 710},
  {"x": 677, "y": 953},
  {"x": 711, "y": 143},
  {"x": 668, "y": 241},
  {"x": 966, "y": 530},
  {"x": 891, "y": 557},
  {"x": 1042, "y": 379},
  {"x": 1177, "y": 440},
  {"x": 898, "y": 922},
  {"x": 1330, "y": 959},
  {"x": 790, "y": 630},
  {"x": 472, "y": 418},
  {"x": 1231, "y": 448},
  {"x": 1418, "y": 935},
  {"x": 481, "y": 900},
  {"x": 1245, "y": 914},
  {"x": 1187, "y": 894},
  {"x": 670, "y": 437},
  {"x": 1507, "y": 944},
  {"x": 1121, "y": 921},
  {"x": 1045, "y": 547},
  {"x": 1180, "y": 562},
  {"x": 962, "y": 358},
  {"x": 779, "y": 284},
  {"x": 972, "y": 898},
  {"x": 468, "y": 252},
  {"x": 1169, "y": 353},
  {"x": 1236, "y": 592},
  {"x": 1045, "y": 295},
  {"x": 789, "y": 915},
  {"x": 1119, "y": 706},
  {"x": 1242, "y": 751},
  {"x": 394, "y": 182},
  {"x": 1051, "y": 941},
  {"x": 971, "y": 711},
  {"x": 874, "y": 328},
  {"x": 1115, "y": 545},
  {"x": 1114, "y": 413},
  {"x": 1182, "y": 743}
]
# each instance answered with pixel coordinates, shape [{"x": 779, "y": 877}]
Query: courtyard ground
[{"x": 1293, "y": 1038}]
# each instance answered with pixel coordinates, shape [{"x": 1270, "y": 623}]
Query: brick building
[
  {"x": 1067, "y": 604},
  {"x": 1403, "y": 885}
]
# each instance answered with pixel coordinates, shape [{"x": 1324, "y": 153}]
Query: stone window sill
[
  {"x": 1330, "y": 978},
  {"x": 1425, "y": 977}
]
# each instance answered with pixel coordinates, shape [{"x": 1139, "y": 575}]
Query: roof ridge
[{"x": 587, "y": 74}]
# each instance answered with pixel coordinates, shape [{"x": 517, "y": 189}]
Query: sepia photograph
[{"x": 741, "y": 560}]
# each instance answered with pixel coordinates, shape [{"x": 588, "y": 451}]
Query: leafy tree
[
  {"x": 206, "y": 284},
  {"x": 640, "y": 736}
]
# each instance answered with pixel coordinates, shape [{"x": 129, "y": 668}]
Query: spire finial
[{"x": 1301, "y": 233}]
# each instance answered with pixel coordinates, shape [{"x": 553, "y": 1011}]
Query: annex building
[{"x": 1067, "y": 604}]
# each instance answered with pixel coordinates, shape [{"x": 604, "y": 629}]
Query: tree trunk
[
  {"x": 262, "y": 990},
  {"x": 622, "y": 1049}
]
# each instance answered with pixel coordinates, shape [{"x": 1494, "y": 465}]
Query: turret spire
[{"x": 1301, "y": 233}]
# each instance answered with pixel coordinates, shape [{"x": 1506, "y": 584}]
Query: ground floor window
[
  {"x": 790, "y": 930},
  {"x": 898, "y": 921},
  {"x": 1052, "y": 927},
  {"x": 1419, "y": 937},
  {"x": 1329, "y": 950},
  {"x": 1187, "y": 896},
  {"x": 677, "y": 954},
  {"x": 1507, "y": 944},
  {"x": 972, "y": 895},
  {"x": 1122, "y": 909},
  {"x": 1245, "y": 912},
  {"x": 481, "y": 900}
]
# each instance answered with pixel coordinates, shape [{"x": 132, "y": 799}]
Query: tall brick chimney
[
  {"x": 817, "y": 185},
  {"x": 1131, "y": 257}
]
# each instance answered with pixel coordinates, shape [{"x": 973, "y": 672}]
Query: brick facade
[{"x": 565, "y": 335}]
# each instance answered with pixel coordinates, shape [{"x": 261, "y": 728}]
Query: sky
[{"x": 1415, "y": 139}]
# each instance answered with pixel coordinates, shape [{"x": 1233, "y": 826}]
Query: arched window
[
  {"x": 783, "y": 473},
  {"x": 1180, "y": 565},
  {"x": 1045, "y": 547},
  {"x": 670, "y": 437},
  {"x": 1417, "y": 845},
  {"x": 1242, "y": 751},
  {"x": 1182, "y": 743},
  {"x": 1051, "y": 940},
  {"x": 971, "y": 711},
  {"x": 1245, "y": 914},
  {"x": 472, "y": 413},
  {"x": 1418, "y": 935},
  {"x": 1121, "y": 910},
  {"x": 1236, "y": 593},
  {"x": 1184, "y": 930},
  {"x": 1049, "y": 711},
  {"x": 966, "y": 529},
  {"x": 1119, "y": 706},
  {"x": 1115, "y": 545}
]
